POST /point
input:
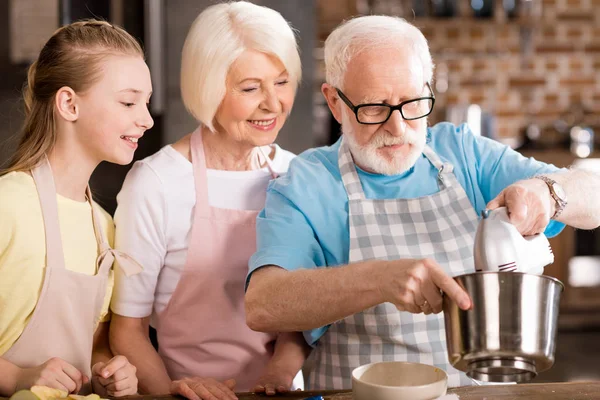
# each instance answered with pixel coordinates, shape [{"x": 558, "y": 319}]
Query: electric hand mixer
[
  {"x": 509, "y": 333},
  {"x": 500, "y": 247}
]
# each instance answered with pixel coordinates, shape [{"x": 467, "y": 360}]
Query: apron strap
[
  {"x": 106, "y": 254},
  {"x": 44, "y": 181},
  {"x": 354, "y": 187},
  {"x": 445, "y": 176},
  {"x": 350, "y": 177},
  {"x": 202, "y": 206},
  {"x": 200, "y": 172}
]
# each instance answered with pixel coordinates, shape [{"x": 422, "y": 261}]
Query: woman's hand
[
  {"x": 204, "y": 389},
  {"x": 273, "y": 382}
]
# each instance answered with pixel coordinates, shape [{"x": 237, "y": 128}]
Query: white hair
[
  {"x": 218, "y": 36},
  {"x": 362, "y": 33}
]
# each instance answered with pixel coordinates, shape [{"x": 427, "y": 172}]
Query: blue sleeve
[
  {"x": 284, "y": 237},
  {"x": 499, "y": 166}
]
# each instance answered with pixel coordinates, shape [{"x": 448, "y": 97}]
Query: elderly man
[{"x": 357, "y": 240}]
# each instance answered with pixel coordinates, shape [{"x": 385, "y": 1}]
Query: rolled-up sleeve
[
  {"x": 499, "y": 166},
  {"x": 286, "y": 226},
  {"x": 285, "y": 238}
]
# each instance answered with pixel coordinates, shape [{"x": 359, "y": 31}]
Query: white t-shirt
[{"x": 154, "y": 218}]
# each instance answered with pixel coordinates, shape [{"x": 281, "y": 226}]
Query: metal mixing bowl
[{"x": 509, "y": 334}]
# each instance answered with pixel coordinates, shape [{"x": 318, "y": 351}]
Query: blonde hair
[
  {"x": 362, "y": 33},
  {"x": 71, "y": 57},
  {"x": 218, "y": 36}
]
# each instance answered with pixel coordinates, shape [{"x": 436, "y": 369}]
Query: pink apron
[
  {"x": 202, "y": 331},
  {"x": 64, "y": 319}
]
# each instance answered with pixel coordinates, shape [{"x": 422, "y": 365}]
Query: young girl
[{"x": 86, "y": 102}]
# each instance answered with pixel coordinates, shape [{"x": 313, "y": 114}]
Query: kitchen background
[{"x": 523, "y": 72}]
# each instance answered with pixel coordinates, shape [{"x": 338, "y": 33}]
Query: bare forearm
[
  {"x": 101, "y": 355},
  {"x": 101, "y": 351},
  {"x": 133, "y": 342},
  {"x": 278, "y": 300},
  {"x": 583, "y": 199},
  {"x": 9, "y": 373},
  {"x": 291, "y": 350}
]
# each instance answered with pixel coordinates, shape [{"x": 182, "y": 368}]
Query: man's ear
[
  {"x": 66, "y": 104},
  {"x": 333, "y": 101}
]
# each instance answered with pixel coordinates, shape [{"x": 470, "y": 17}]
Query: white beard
[{"x": 367, "y": 158}]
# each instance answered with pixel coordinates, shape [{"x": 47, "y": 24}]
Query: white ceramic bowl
[{"x": 398, "y": 381}]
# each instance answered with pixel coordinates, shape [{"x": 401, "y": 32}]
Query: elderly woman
[{"x": 187, "y": 214}]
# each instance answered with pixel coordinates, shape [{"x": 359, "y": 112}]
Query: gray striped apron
[{"x": 441, "y": 227}]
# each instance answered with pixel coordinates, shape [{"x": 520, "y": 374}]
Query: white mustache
[{"x": 385, "y": 140}]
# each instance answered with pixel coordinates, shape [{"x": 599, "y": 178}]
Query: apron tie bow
[{"x": 127, "y": 263}]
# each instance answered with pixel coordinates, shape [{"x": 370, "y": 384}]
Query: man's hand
[
  {"x": 415, "y": 285},
  {"x": 54, "y": 373},
  {"x": 529, "y": 205},
  {"x": 116, "y": 378},
  {"x": 204, "y": 389}
]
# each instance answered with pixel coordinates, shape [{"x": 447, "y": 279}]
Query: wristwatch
[{"x": 557, "y": 192}]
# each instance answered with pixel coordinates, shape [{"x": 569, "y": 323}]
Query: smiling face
[
  {"x": 388, "y": 76},
  {"x": 114, "y": 112},
  {"x": 258, "y": 100}
]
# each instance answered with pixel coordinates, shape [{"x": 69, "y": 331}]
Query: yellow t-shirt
[{"x": 23, "y": 250}]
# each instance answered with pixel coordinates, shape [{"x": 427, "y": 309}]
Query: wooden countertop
[{"x": 539, "y": 391}]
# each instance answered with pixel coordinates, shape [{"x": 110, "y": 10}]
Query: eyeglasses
[{"x": 374, "y": 113}]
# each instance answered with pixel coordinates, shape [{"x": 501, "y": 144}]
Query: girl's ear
[{"x": 66, "y": 104}]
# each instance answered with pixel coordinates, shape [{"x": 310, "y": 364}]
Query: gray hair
[
  {"x": 362, "y": 33},
  {"x": 218, "y": 36}
]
